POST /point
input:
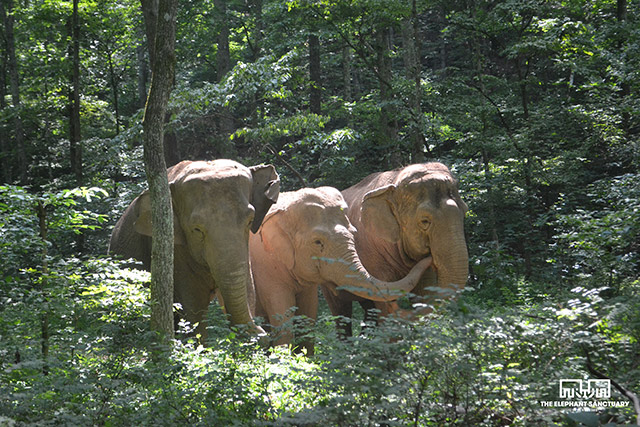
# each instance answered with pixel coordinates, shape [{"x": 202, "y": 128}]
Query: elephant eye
[
  {"x": 198, "y": 233},
  {"x": 425, "y": 223},
  {"x": 318, "y": 243}
]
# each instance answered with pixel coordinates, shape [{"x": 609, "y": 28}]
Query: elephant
[
  {"x": 215, "y": 204},
  {"x": 402, "y": 216},
  {"x": 306, "y": 240}
]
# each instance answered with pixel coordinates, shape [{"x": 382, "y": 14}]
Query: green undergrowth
[{"x": 464, "y": 365}]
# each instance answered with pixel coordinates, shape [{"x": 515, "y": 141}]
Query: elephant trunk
[
  {"x": 352, "y": 275},
  {"x": 232, "y": 277},
  {"x": 452, "y": 266},
  {"x": 233, "y": 288}
]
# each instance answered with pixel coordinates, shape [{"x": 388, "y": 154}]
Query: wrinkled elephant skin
[
  {"x": 215, "y": 204},
  {"x": 307, "y": 240},
  {"x": 401, "y": 217}
]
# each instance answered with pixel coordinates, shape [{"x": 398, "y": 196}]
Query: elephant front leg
[
  {"x": 194, "y": 310},
  {"x": 279, "y": 304},
  {"x": 340, "y": 305},
  {"x": 307, "y": 302},
  {"x": 194, "y": 299}
]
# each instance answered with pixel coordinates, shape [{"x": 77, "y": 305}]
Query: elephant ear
[
  {"x": 142, "y": 221},
  {"x": 266, "y": 188},
  {"x": 276, "y": 240},
  {"x": 377, "y": 216}
]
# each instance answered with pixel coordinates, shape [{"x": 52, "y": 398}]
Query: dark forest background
[{"x": 533, "y": 104}]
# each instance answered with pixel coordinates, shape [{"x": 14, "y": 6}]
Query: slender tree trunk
[
  {"x": 223, "y": 58},
  {"x": 223, "y": 66},
  {"x": 113, "y": 79},
  {"x": 315, "y": 99},
  {"x": 529, "y": 239},
  {"x": 411, "y": 40},
  {"x": 388, "y": 121},
  {"x": 522, "y": 77},
  {"x": 346, "y": 73},
  {"x": 75, "y": 136},
  {"x": 621, "y": 10},
  {"x": 7, "y": 6},
  {"x": 357, "y": 84},
  {"x": 5, "y": 151},
  {"x": 490, "y": 196},
  {"x": 44, "y": 315},
  {"x": 162, "y": 78},
  {"x": 150, "y": 13},
  {"x": 142, "y": 76},
  {"x": 257, "y": 43},
  {"x": 75, "y": 145},
  {"x": 621, "y": 15}
]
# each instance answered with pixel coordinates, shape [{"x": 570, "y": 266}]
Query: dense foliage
[{"x": 533, "y": 104}]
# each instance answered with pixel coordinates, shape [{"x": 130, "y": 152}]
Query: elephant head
[
  {"x": 310, "y": 232},
  {"x": 408, "y": 214},
  {"x": 215, "y": 206}
]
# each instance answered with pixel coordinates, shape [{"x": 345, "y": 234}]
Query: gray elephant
[
  {"x": 306, "y": 240},
  {"x": 401, "y": 217},
  {"x": 215, "y": 204}
]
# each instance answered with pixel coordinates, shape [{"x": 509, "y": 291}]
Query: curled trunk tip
[{"x": 359, "y": 282}]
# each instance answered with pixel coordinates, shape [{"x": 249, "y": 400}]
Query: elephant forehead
[
  {"x": 218, "y": 180},
  {"x": 304, "y": 213},
  {"x": 320, "y": 198},
  {"x": 423, "y": 173},
  {"x": 307, "y": 211},
  {"x": 434, "y": 188},
  {"x": 211, "y": 170},
  {"x": 422, "y": 169},
  {"x": 207, "y": 191}
]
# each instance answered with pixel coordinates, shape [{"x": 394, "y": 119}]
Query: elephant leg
[
  {"x": 278, "y": 304},
  {"x": 192, "y": 294},
  {"x": 340, "y": 307},
  {"x": 195, "y": 311},
  {"x": 370, "y": 315},
  {"x": 307, "y": 302}
]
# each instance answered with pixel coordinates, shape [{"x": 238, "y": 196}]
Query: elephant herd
[{"x": 262, "y": 252}]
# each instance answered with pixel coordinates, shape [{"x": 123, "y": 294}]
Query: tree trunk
[
  {"x": 5, "y": 151},
  {"x": 490, "y": 196},
  {"x": 7, "y": 11},
  {"x": 223, "y": 58},
  {"x": 113, "y": 79},
  {"x": 411, "y": 40},
  {"x": 150, "y": 13},
  {"x": 315, "y": 100},
  {"x": 621, "y": 15},
  {"x": 223, "y": 65},
  {"x": 442, "y": 23},
  {"x": 256, "y": 6},
  {"x": 75, "y": 147},
  {"x": 44, "y": 315},
  {"x": 621, "y": 10},
  {"x": 389, "y": 130},
  {"x": 163, "y": 72},
  {"x": 142, "y": 76},
  {"x": 346, "y": 73}
]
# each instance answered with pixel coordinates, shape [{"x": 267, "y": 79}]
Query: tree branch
[
  {"x": 291, "y": 168},
  {"x": 626, "y": 393}
]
